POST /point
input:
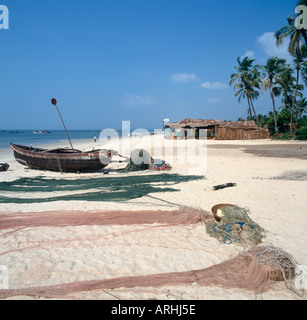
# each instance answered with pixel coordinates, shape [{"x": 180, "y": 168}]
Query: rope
[{"x": 168, "y": 202}]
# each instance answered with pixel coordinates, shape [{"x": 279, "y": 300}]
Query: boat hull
[{"x": 62, "y": 160}]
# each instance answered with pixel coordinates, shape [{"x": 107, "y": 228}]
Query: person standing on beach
[{"x": 95, "y": 139}]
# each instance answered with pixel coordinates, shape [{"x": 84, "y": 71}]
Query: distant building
[{"x": 215, "y": 129}]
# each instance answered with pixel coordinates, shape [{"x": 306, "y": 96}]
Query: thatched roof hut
[
  {"x": 193, "y": 123},
  {"x": 227, "y": 130},
  {"x": 239, "y": 124},
  {"x": 240, "y": 130}
]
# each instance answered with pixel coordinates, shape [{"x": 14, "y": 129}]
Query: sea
[{"x": 28, "y": 137}]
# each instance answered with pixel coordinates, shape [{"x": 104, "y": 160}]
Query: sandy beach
[{"x": 270, "y": 178}]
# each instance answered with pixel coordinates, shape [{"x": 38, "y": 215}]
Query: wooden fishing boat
[{"x": 62, "y": 159}]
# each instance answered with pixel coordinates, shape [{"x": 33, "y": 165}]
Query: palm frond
[
  {"x": 295, "y": 44},
  {"x": 301, "y": 3},
  {"x": 277, "y": 91},
  {"x": 282, "y": 34}
]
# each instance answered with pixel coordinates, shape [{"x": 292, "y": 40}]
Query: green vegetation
[
  {"x": 301, "y": 133},
  {"x": 279, "y": 79}
]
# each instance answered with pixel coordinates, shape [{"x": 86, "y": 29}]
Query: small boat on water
[
  {"x": 62, "y": 159},
  {"x": 41, "y": 132}
]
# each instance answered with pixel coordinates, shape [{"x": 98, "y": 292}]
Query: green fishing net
[
  {"x": 235, "y": 226},
  {"x": 119, "y": 188}
]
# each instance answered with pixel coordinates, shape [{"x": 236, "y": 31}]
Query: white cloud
[
  {"x": 190, "y": 77},
  {"x": 214, "y": 85},
  {"x": 249, "y": 53},
  {"x": 213, "y": 100},
  {"x": 184, "y": 77},
  {"x": 131, "y": 100},
  {"x": 268, "y": 43}
]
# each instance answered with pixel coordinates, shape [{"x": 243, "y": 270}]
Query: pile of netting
[
  {"x": 107, "y": 188},
  {"x": 253, "y": 270},
  {"x": 233, "y": 225},
  {"x": 141, "y": 160}
]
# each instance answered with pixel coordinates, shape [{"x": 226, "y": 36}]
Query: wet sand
[{"x": 286, "y": 150}]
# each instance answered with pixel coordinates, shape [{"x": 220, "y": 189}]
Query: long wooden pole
[{"x": 54, "y": 102}]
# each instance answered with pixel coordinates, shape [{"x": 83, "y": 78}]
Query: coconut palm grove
[{"x": 280, "y": 78}]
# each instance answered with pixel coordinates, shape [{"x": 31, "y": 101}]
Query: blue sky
[{"x": 107, "y": 61}]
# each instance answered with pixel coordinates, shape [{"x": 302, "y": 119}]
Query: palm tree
[
  {"x": 295, "y": 35},
  {"x": 272, "y": 70},
  {"x": 290, "y": 30},
  {"x": 297, "y": 49},
  {"x": 246, "y": 82},
  {"x": 240, "y": 92},
  {"x": 288, "y": 84},
  {"x": 300, "y": 60},
  {"x": 252, "y": 92},
  {"x": 286, "y": 81}
]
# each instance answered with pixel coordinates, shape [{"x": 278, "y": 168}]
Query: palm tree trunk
[
  {"x": 274, "y": 109},
  {"x": 255, "y": 114},
  {"x": 294, "y": 99},
  {"x": 249, "y": 111}
]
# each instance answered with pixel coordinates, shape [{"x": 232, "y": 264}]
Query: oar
[{"x": 54, "y": 102}]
